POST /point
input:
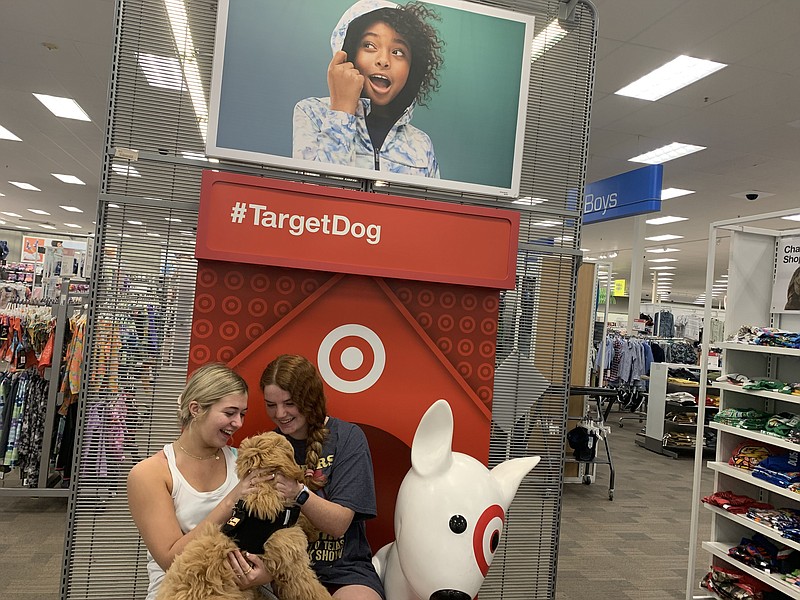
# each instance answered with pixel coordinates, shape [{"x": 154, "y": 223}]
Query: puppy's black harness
[{"x": 251, "y": 533}]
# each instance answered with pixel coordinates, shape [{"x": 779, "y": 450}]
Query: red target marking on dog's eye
[
  {"x": 486, "y": 536},
  {"x": 351, "y": 358}
]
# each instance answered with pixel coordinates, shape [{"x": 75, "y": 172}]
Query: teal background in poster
[{"x": 277, "y": 53}]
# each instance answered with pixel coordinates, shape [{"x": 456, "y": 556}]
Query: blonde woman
[{"x": 193, "y": 480}]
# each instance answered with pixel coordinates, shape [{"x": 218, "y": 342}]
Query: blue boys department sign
[{"x": 625, "y": 195}]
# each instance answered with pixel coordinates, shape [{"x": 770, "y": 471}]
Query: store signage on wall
[
  {"x": 625, "y": 195},
  {"x": 786, "y": 291},
  {"x": 620, "y": 287},
  {"x": 278, "y": 111},
  {"x": 262, "y": 221}
]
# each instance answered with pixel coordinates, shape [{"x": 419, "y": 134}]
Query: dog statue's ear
[{"x": 431, "y": 450}]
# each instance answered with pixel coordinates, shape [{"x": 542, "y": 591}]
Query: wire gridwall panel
[{"x": 105, "y": 557}]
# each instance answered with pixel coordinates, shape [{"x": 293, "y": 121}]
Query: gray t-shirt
[{"x": 347, "y": 464}]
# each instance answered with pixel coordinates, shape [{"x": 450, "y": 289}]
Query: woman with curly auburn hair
[{"x": 339, "y": 492}]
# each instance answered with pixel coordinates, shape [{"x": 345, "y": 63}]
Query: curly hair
[
  {"x": 412, "y": 23},
  {"x": 298, "y": 376}
]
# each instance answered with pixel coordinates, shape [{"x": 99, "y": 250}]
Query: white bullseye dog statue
[{"x": 448, "y": 517}]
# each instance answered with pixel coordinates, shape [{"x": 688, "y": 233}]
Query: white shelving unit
[
  {"x": 751, "y": 272},
  {"x": 658, "y": 408}
]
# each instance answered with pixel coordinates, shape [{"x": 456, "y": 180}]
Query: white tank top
[{"x": 191, "y": 506}]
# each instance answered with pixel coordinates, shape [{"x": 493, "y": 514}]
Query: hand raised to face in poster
[{"x": 345, "y": 83}]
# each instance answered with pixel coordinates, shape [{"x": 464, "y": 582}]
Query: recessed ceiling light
[
  {"x": 662, "y": 260},
  {"x": 37, "y": 211},
  {"x": 68, "y": 179},
  {"x": 661, "y": 268},
  {"x": 547, "y": 38},
  {"x": 73, "y": 225},
  {"x": 126, "y": 170},
  {"x": 664, "y": 238},
  {"x": 66, "y": 108},
  {"x": 74, "y": 209},
  {"x": 669, "y": 193},
  {"x": 670, "y": 77},
  {"x": 11, "y": 214},
  {"x": 46, "y": 226},
  {"x": 25, "y": 186},
  {"x": 665, "y": 220},
  {"x": 5, "y": 134},
  {"x": 666, "y": 153},
  {"x": 161, "y": 71},
  {"x": 792, "y": 218},
  {"x": 662, "y": 250}
]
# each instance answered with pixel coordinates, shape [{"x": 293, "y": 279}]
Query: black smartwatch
[{"x": 302, "y": 497}]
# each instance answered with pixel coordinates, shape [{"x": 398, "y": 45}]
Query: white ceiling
[{"x": 748, "y": 114}]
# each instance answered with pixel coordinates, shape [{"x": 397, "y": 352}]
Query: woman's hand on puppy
[
  {"x": 251, "y": 482},
  {"x": 248, "y": 570},
  {"x": 286, "y": 486}
]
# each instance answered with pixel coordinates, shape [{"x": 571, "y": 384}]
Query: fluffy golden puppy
[{"x": 202, "y": 572}]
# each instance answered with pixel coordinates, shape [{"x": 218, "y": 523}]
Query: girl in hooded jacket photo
[{"x": 386, "y": 58}]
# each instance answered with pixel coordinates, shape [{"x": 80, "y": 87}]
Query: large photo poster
[
  {"x": 786, "y": 291},
  {"x": 432, "y": 94}
]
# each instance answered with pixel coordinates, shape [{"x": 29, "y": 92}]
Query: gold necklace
[{"x": 190, "y": 455}]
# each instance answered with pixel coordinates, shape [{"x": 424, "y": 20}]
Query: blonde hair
[
  {"x": 207, "y": 386},
  {"x": 297, "y": 375}
]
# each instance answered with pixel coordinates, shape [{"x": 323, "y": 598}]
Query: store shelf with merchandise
[
  {"x": 749, "y": 428},
  {"x": 671, "y": 426}
]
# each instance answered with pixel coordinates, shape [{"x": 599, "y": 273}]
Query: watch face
[{"x": 302, "y": 497}]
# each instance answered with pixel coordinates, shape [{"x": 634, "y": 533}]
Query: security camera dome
[{"x": 751, "y": 196}]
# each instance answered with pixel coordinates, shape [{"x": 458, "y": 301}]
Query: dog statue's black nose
[{"x": 449, "y": 595}]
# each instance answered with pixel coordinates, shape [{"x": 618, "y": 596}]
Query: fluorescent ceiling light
[
  {"x": 529, "y": 201},
  {"x": 112, "y": 205},
  {"x": 179, "y": 23},
  {"x": 664, "y": 238},
  {"x": 661, "y": 268},
  {"x": 662, "y": 250},
  {"x": 74, "y": 209},
  {"x": 68, "y": 178},
  {"x": 723, "y": 276},
  {"x": 22, "y": 227},
  {"x": 5, "y": 134},
  {"x": 161, "y": 71},
  {"x": 46, "y": 226},
  {"x": 669, "y": 193},
  {"x": 666, "y": 153},
  {"x": 665, "y": 220},
  {"x": 11, "y": 214},
  {"x": 135, "y": 222},
  {"x": 126, "y": 170},
  {"x": 38, "y": 211},
  {"x": 547, "y": 38},
  {"x": 792, "y": 218},
  {"x": 662, "y": 260},
  {"x": 25, "y": 186},
  {"x": 154, "y": 234},
  {"x": 200, "y": 156},
  {"x": 66, "y": 108},
  {"x": 73, "y": 225},
  {"x": 668, "y": 78},
  {"x": 2, "y": 222},
  {"x": 172, "y": 220},
  {"x": 546, "y": 224}
]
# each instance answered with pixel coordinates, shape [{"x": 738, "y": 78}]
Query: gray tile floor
[{"x": 635, "y": 547}]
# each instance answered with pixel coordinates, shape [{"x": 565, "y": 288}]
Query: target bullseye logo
[{"x": 351, "y": 358}]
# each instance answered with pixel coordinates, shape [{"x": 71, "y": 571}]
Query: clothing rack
[
  {"x": 62, "y": 311},
  {"x": 597, "y": 423}
]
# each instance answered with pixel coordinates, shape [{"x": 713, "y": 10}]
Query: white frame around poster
[{"x": 247, "y": 118}]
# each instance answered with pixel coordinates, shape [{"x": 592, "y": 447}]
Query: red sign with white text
[{"x": 261, "y": 221}]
